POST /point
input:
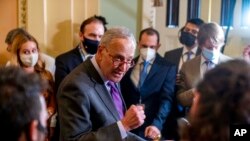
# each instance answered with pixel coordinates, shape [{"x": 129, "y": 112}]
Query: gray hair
[
  {"x": 210, "y": 31},
  {"x": 117, "y": 32}
]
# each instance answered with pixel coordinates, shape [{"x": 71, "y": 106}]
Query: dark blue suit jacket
[
  {"x": 157, "y": 93},
  {"x": 65, "y": 63}
]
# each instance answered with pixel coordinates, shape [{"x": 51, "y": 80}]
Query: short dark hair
[
  {"x": 19, "y": 101},
  {"x": 94, "y": 18},
  {"x": 196, "y": 21},
  {"x": 13, "y": 33},
  {"x": 150, "y": 31}
]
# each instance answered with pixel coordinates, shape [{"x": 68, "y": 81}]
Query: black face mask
[
  {"x": 90, "y": 45},
  {"x": 187, "y": 39}
]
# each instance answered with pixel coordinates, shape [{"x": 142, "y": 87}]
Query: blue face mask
[{"x": 210, "y": 54}]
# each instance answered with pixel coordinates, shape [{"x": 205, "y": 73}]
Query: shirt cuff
[{"x": 122, "y": 130}]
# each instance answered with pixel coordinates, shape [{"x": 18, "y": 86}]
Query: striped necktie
[
  {"x": 189, "y": 54},
  {"x": 209, "y": 65}
]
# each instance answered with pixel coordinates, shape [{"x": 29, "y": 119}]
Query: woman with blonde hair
[{"x": 26, "y": 54}]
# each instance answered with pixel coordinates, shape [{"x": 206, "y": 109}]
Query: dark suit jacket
[
  {"x": 86, "y": 109},
  {"x": 157, "y": 93},
  {"x": 175, "y": 55},
  {"x": 65, "y": 63},
  {"x": 190, "y": 75}
]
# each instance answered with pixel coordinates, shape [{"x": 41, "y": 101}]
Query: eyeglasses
[{"x": 119, "y": 60}]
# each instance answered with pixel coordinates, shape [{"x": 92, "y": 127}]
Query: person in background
[
  {"x": 26, "y": 54},
  {"x": 221, "y": 100},
  {"x": 48, "y": 60},
  {"x": 91, "y": 31},
  {"x": 22, "y": 107},
  {"x": 90, "y": 103},
  {"x": 156, "y": 91},
  {"x": 210, "y": 39},
  {"x": 246, "y": 53},
  {"x": 188, "y": 38}
]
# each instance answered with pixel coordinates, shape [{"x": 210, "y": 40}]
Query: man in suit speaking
[{"x": 90, "y": 104}]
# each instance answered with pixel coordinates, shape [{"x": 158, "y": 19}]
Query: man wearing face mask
[
  {"x": 150, "y": 83},
  {"x": 91, "y": 31},
  {"x": 188, "y": 38},
  {"x": 210, "y": 39}
]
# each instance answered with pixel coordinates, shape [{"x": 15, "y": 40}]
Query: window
[
  {"x": 193, "y": 10},
  {"x": 245, "y": 20},
  {"x": 172, "y": 13},
  {"x": 227, "y": 11}
]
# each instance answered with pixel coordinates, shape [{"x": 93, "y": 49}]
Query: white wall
[
  {"x": 120, "y": 13},
  {"x": 55, "y": 23}
]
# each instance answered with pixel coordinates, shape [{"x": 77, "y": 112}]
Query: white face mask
[
  {"x": 147, "y": 53},
  {"x": 29, "y": 60}
]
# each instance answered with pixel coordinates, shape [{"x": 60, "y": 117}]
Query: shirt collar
[
  {"x": 215, "y": 61},
  {"x": 83, "y": 52},
  {"x": 93, "y": 60},
  {"x": 185, "y": 50}
]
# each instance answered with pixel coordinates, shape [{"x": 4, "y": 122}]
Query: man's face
[
  {"x": 93, "y": 31},
  {"x": 188, "y": 35},
  {"x": 191, "y": 28},
  {"x": 149, "y": 41},
  {"x": 115, "y": 59},
  {"x": 211, "y": 44}
]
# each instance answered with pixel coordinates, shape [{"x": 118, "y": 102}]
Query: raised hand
[{"x": 134, "y": 117}]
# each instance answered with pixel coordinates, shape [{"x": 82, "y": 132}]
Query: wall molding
[{"x": 22, "y": 13}]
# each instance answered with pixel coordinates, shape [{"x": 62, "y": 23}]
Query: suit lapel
[
  {"x": 107, "y": 100},
  {"x": 197, "y": 65},
  {"x": 198, "y": 52},
  {"x": 179, "y": 55},
  {"x": 77, "y": 53},
  {"x": 101, "y": 90},
  {"x": 129, "y": 73},
  {"x": 154, "y": 69}
]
